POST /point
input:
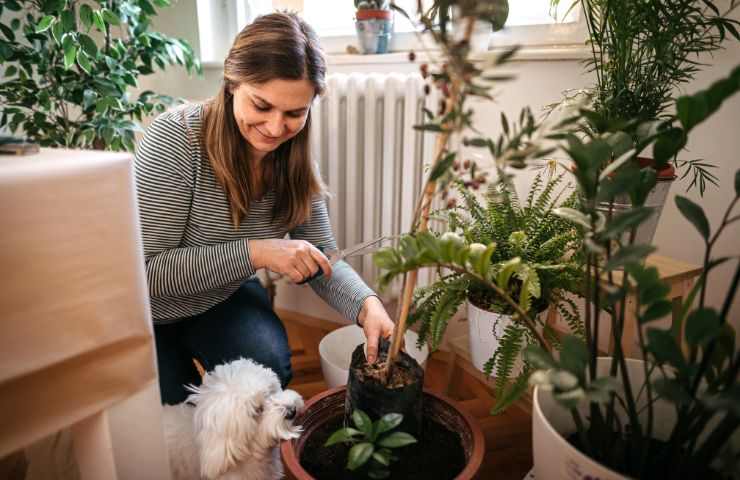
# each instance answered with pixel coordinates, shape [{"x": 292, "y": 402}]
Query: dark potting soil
[
  {"x": 437, "y": 456},
  {"x": 657, "y": 469}
]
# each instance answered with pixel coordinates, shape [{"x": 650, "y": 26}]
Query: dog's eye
[{"x": 258, "y": 410}]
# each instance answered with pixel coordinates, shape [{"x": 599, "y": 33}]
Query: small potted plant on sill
[
  {"x": 374, "y": 24},
  {"x": 641, "y": 52},
  {"x": 672, "y": 413},
  {"x": 536, "y": 258}
]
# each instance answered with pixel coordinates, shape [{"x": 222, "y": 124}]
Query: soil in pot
[
  {"x": 401, "y": 393},
  {"x": 438, "y": 455}
]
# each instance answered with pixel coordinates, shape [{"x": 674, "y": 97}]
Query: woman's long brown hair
[{"x": 274, "y": 46}]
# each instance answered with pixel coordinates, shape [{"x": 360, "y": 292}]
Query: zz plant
[
  {"x": 69, "y": 66},
  {"x": 372, "y": 442},
  {"x": 693, "y": 366}
]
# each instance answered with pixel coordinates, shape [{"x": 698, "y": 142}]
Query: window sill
[{"x": 548, "y": 53}]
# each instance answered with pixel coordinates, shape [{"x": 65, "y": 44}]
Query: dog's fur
[{"x": 240, "y": 417}]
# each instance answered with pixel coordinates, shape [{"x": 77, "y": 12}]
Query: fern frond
[
  {"x": 511, "y": 392},
  {"x": 509, "y": 348}
]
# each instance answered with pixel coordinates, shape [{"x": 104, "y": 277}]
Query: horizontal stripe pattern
[{"x": 195, "y": 258}]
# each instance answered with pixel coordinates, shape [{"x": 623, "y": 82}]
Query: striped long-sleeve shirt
[{"x": 195, "y": 258}]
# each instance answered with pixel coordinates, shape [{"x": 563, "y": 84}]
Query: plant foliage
[
  {"x": 69, "y": 66},
  {"x": 699, "y": 382},
  {"x": 372, "y": 442},
  {"x": 642, "y": 52},
  {"x": 524, "y": 250}
]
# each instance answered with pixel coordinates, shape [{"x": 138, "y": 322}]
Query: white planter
[
  {"x": 336, "y": 350},
  {"x": 555, "y": 458},
  {"x": 485, "y": 330}
]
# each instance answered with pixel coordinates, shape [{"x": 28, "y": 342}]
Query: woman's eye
[
  {"x": 296, "y": 114},
  {"x": 262, "y": 108}
]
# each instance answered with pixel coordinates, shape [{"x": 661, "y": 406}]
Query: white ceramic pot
[
  {"x": 336, "y": 350},
  {"x": 485, "y": 330},
  {"x": 555, "y": 457}
]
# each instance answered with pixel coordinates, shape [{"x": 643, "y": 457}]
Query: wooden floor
[{"x": 508, "y": 436}]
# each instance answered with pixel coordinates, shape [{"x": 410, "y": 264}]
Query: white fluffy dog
[{"x": 240, "y": 417}]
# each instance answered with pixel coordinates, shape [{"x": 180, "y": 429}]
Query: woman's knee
[{"x": 248, "y": 329}]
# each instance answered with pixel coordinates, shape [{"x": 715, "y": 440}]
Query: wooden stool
[{"x": 679, "y": 276}]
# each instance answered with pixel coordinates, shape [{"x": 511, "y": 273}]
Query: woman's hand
[
  {"x": 376, "y": 323},
  {"x": 296, "y": 259}
]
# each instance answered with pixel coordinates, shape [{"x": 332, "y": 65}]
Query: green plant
[
  {"x": 641, "y": 52},
  {"x": 69, "y": 66},
  {"x": 535, "y": 259},
  {"x": 372, "y": 442},
  {"x": 699, "y": 383},
  {"x": 458, "y": 79}
]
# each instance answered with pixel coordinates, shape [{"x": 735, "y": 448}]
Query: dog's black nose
[{"x": 290, "y": 413}]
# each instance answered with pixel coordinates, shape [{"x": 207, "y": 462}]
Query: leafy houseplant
[
  {"x": 641, "y": 52},
  {"x": 689, "y": 370},
  {"x": 69, "y": 66},
  {"x": 535, "y": 258},
  {"x": 372, "y": 442}
]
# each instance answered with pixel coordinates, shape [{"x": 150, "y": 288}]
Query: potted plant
[
  {"x": 452, "y": 442},
  {"x": 395, "y": 380},
  {"x": 489, "y": 17},
  {"x": 673, "y": 413},
  {"x": 69, "y": 66},
  {"x": 641, "y": 52},
  {"x": 535, "y": 258},
  {"x": 374, "y": 23}
]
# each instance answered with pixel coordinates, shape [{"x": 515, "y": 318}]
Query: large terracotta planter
[{"x": 330, "y": 404}]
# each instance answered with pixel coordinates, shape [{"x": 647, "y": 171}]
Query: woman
[{"x": 219, "y": 186}]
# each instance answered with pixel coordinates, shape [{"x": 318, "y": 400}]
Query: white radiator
[{"x": 371, "y": 158}]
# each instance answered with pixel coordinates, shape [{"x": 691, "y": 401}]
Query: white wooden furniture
[{"x": 76, "y": 347}]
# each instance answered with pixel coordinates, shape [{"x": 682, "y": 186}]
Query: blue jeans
[{"x": 243, "y": 325}]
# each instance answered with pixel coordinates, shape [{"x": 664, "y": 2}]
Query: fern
[
  {"x": 435, "y": 304},
  {"x": 511, "y": 392},
  {"x": 508, "y": 351}
]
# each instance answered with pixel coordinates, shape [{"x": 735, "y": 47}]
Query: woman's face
[{"x": 271, "y": 113}]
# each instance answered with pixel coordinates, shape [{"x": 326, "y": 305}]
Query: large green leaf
[
  {"x": 702, "y": 326},
  {"x": 388, "y": 422},
  {"x": 538, "y": 357},
  {"x": 574, "y": 355},
  {"x": 656, "y": 311},
  {"x": 628, "y": 255},
  {"x": 396, "y": 440},
  {"x": 625, "y": 222},
  {"x": 363, "y": 422},
  {"x": 86, "y": 16},
  {"x": 342, "y": 435},
  {"x": 44, "y": 24},
  {"x": 664, "y": 348},
  {"x": 694, "y": 214},
  {"x": 359, "y": 455}
]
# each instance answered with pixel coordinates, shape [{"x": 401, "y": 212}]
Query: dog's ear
[{"x": 222, "y": 427}]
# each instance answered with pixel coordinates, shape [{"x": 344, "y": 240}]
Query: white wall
[{"x": 539, "y": 83}]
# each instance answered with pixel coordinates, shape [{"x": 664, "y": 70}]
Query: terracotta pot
[
  {"x": 368, "y": 14},
  {"x": 330, "y": 404}
]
